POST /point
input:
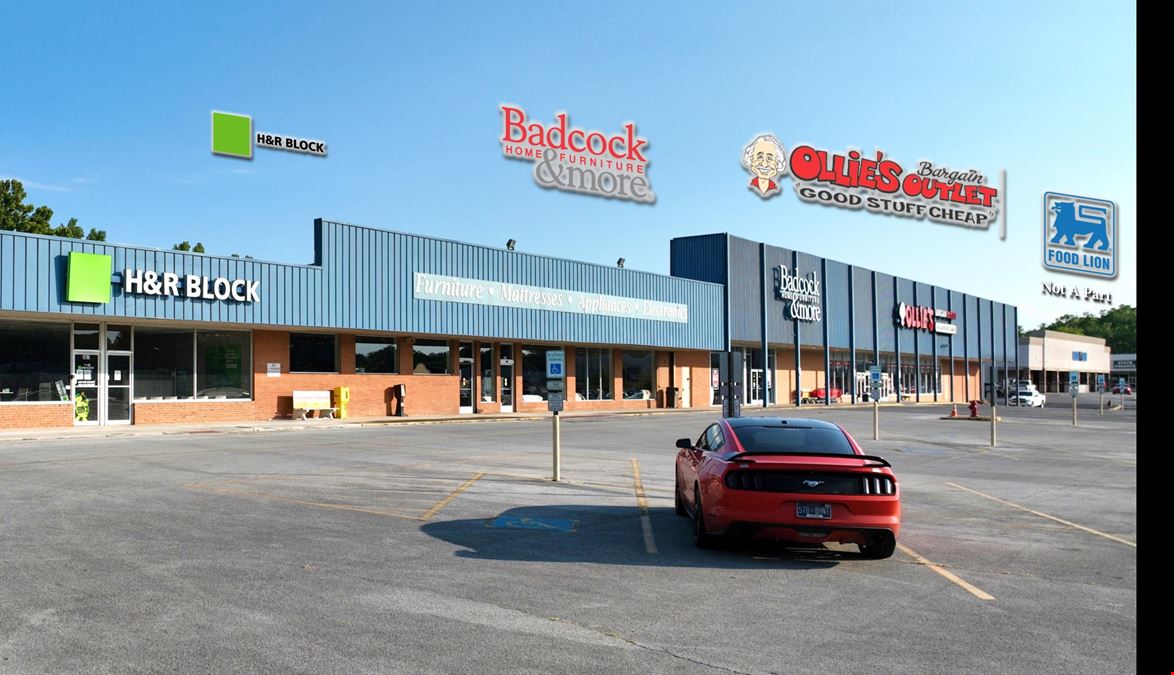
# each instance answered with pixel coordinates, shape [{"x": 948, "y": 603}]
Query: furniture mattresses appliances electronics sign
[
  {"x": 576, "y": 160},
  {"x": 802, "y": 294},
  {"x": 880, "y": 184},
  {"x": 925, "y": 318},
  {"x": 503, "y": 294}
]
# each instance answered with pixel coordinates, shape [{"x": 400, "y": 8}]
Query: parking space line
[
  {"x": 451, "y": 496},
  {"x": 970, "y": 588},
  {"x": 303, "y": 502},
  {"x": 642, "y": 502},
  {"x": 1044, "y": 515}
]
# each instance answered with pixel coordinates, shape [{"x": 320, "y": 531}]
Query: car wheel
[
  {"x": 879, "y": 546},
  {"x": 700, "y": 536},
  {"x": 678, "y": 502}
]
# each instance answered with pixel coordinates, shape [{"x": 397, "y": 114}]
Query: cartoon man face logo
[{"x": 766, "y": 160}]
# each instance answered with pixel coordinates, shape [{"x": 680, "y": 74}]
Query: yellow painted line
[
  {"x": 303, "y": 502},
  {"x": 451, "y": 496},
  {"x": 642, "y": 502},
  {"x": 970, "y": 588},
  {"x": 1049, "y": 517}
]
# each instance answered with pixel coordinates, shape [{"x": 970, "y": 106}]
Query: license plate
[{"x": 809, "y": 510}]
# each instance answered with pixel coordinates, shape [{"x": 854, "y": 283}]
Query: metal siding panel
[
  {"x": 811, "y": 332},
  {"x": 745, "y": 290},
  {"x": 865, "y": 312},
  {"x": 886, "y": 303},
  {"x": 780, "y": 326},
  {"x": 925, "y": 339},
  {"x": 838, "y": 317}
]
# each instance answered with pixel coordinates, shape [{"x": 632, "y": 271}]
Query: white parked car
[{"x": 1028, "y": 397}]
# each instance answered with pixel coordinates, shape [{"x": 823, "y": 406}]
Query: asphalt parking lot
[{"x": 446, "y": 548}]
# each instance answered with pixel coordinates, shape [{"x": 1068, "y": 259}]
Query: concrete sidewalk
[{"x": 318, "y": 424}]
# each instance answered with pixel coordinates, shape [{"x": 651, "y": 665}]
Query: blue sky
[{"x": 106, "y": 119}]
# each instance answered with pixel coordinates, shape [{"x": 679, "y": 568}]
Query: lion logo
[{"x": 1091, "y": 222}]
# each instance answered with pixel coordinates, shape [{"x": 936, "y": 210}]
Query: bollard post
[
  {"x": 1073, "y": 411},
  {"x": 556, "y": 449},
  {"x": 1101, "y": 405},
  {"x": 994, "y": 417},
  {"x": 875, "y": 420}
]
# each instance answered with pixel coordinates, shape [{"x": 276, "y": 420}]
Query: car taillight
[{"x": 878, "y": 485}]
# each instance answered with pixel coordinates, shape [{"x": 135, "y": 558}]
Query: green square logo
[
  {"x": 232, "y": 135},
  {"x": 88, "y": 278}
]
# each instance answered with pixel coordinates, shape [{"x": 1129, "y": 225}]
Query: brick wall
[
  {"x": 23, "y": 416},
  {"x": 192, "y": 412}
]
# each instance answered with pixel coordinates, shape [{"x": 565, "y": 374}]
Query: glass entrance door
[
  {"x": 87, "y": 404},
  {"x": 754, "y": 391},
  {"x": 507, "y": 378},
  {"x": 117, "y": 380},
  {"x": 465, "y": 353}
]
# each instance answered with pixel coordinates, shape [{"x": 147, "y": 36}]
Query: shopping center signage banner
[
  {"x": 879, "y": 184},
  {"x": 576, "y": 160},
  {"x": 802, "y": 294},
  {"x": 502, "y": 294},
  {"x": 925, "y": 318}
]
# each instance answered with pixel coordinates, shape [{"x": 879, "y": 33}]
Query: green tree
[
  {"x": 1118, "y": 327},
  {"x": 19, "y": 216},
  {"x": 185, "y": 245}
]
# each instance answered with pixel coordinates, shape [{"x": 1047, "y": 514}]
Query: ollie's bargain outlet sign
[{"x": 576, "y": 160}]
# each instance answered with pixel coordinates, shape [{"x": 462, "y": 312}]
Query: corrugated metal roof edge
[
  {"x": 859, "y": 267},
  {"x": 623, "y": 270}
]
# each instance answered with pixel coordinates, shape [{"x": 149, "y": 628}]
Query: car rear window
[{"x": 794, "y": 439}]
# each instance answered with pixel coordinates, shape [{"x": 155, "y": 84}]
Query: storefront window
[
  {"x": 222, "y": 364},
  {"x": 593, "y": 379},
  {"x": 488, "y": 391},
  {"x": 163, "y": 363},
  {"x": 34, "y": 362},
  {"x": 431, "y": 357},
  {"x": 376, "y": 355},
  {"x": 841, "y": 372},
  {"x": 534, "y": 373},
  {"x": 638, "y": 380}
]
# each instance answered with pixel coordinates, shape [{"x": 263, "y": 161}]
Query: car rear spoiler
[{"x": 872, "y": 458}]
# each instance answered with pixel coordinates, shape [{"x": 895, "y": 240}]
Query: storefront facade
[
  {"x": 810, "y": 328},
  {"x": 168, "y": 336},
  {"x": 96, "y": 334},
  {"x": 1049, "y": 357}
]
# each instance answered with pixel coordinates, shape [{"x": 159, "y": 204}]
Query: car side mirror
[{"x": 684, "y": 443}]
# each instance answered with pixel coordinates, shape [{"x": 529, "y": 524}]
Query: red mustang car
[{"x": 800, "y": 481}]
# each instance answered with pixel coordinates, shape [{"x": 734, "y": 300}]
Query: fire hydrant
[{"x": 974, "y": 408}]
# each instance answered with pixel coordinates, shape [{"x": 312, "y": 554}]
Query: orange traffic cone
[{"x": 954, "y": 410}]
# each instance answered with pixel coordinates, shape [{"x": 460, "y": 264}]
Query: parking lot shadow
[{"x": 611, "y": 535}]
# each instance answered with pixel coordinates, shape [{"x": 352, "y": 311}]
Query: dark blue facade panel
[
  {"x": 998, "y": 325},
  {"x": 746, "y": 280},
  {"x": 365, "y": 282},
  {"x": 925, "y": 298},
  {"x": 954, "y": 298},
  {"x": 886, "y": 300},
  {"x": 779, "y": 322},
  {"x": 864, "y": 312},
  {"x": 702, "y": 258},
  {"x": 837, "y": 316},
  {"x": 811, "y": 332},
  {"x": 984, "y": 310},
  {"x": 973, "y": 326}
]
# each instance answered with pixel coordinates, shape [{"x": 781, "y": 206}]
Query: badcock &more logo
[
  {"x": 802, "y": 294},
  {"x": 577, "y": 160},
  {"x": 880, "y": 184}
]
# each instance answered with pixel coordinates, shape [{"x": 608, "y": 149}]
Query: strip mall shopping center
[{"x": 94, "y": 333}]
